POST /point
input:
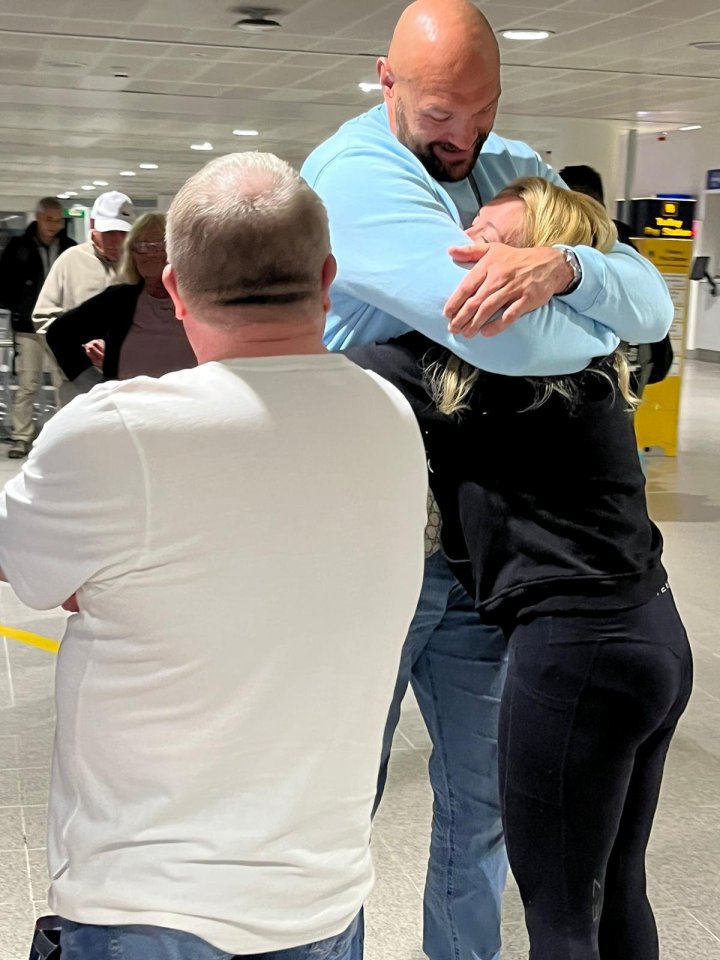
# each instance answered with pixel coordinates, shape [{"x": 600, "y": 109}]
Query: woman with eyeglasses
[{"x": 128, "y": 330}]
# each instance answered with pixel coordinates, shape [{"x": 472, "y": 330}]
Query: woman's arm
[{"x": 67, "y": 335}]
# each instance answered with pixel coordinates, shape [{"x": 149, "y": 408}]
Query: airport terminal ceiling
[{"x": 89, "y": 89}]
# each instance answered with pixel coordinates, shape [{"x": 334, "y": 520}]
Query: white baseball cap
[{"x": 112, "y": 211}]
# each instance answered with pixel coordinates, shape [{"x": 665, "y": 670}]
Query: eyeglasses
[{"x": 148, "y": 246}]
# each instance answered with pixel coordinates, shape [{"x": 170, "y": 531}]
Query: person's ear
[
  {"x": 329, "y": 272},
  {"x": 170, "y": 282},
  {"x": 385, "y": 76}
]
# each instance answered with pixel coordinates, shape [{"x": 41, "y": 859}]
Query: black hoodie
[{"x": 544, "y": 510}]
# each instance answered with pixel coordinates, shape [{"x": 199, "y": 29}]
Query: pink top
[{"x": 156, "y": 343}]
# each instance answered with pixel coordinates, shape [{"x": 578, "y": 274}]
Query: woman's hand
[
  {"x": 505, "y": 283},
  {"x": 95, "y": 349}
]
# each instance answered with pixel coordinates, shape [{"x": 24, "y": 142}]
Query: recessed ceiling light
[
  {"x": 257, "y": 24},
  {"x": 101, "y": 183},
  {"x": 71, "y": 193},
  {"x": 201, "y": 146},
  {"x": 643, "y": 113},
  {"x": 246, "y": 133},
  {"x": 369, "y": 87},
  {"x": 529, "y": 34},
  {"x": 128, "y": 173},
  {"x": 63, "y": 196},
  {"x": 148, "y": 166},
  {"x": 692, "y": 126},
  {"x": 87, "y": 186},
  {"x": 65, "y": 64},
  {"x": 706, "y": 45},
  {"x": 526, "y": 34}
]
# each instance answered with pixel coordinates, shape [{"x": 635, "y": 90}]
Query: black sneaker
[{"x": 19, "y": 449}]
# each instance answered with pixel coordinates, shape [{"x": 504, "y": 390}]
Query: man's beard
[{"x": 437, "y": 168}]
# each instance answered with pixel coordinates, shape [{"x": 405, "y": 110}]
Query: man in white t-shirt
[{"x": 222, "y": 692}]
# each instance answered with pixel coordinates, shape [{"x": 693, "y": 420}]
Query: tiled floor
[{"x": 685, "y": 851}]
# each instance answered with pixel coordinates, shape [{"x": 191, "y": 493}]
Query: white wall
[
  {"x": 677, "y": 165},
  {"x": 562, "y": 141}
]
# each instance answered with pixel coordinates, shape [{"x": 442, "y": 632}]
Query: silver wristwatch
[{"x": 574, "y": 264}]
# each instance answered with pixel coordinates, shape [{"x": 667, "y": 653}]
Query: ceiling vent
[{"x": 254, "y": 20}]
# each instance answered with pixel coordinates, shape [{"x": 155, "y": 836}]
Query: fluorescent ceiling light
[
  {"x": 246, "y": 133},
  {"x": 643, "y": 113},
  {"x": 369, "y": 87},
  {"x": 693, "y": 126},
  {"x": 100, "y": 183},
  {"x": 128, "y": 173},
  {"x": 201, "y": 146},
  {"x": 526, "y": 34},
  {"x": 148, "y": 166}
]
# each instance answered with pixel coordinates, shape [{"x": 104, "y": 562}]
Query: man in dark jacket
[
  {"x": 24, "y": 265},
  {"x": 649, "y": 362}
]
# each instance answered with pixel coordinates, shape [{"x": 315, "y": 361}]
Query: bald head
[
  {"x": 441, "y": 83},
  {"x": 450, "y": 36}
]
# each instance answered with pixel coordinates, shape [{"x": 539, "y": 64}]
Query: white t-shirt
[{"x": 246, "y": 540}]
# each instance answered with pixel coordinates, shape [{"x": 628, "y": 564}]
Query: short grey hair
[
  {"x": 48, "y": 203},
  {"x": 247, "y": 230}
]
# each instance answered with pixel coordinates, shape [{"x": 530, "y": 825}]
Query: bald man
[{"x": 400, "y": 183}]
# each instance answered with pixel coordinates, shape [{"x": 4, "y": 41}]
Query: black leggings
[{"x": 590, "y": 706}]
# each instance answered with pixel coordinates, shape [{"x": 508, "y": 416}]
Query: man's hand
[
  {"x": 95, "y": 349},
  {"x": 505, "y": 283}
]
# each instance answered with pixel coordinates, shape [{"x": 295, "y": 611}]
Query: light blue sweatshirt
[{"x": 391, "y": 225}]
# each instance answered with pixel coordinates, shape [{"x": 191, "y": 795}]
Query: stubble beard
[{"x": 438, "y": 170}]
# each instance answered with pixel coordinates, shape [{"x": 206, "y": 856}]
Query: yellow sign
[
  {"x": 657, "y": 420},
  {"x": 668, "y": 226}
]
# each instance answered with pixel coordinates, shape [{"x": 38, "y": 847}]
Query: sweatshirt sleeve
[
  {"x": 67, "y": 518},
  {"x": 623, "y": 290},
  {"x": 67, "y": 334},
  {"x": 620, "y": 289},
  {"x": 49, "y": 304},
  {"x": 390, "y": 234}
]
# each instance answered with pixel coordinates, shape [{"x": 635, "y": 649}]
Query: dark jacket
[
  {"x": 107, "y": 316},
  {"x": 649, "y": 362},
  {"x": 543, "y": 510},
  {"x": 22, "y": 275}
]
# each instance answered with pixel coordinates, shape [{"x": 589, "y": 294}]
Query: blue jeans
[
  {"x": 84, "y": 941},
  {"x": 457, "y": 666}
]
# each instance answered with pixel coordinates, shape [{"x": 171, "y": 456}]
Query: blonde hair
[
  {"x": 127, "y": 271},
  {"x": 553, "y": 215}
]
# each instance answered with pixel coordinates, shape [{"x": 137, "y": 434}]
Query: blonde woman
[
  {"x": 545, "y": 523},
  {"x": 129, "y": 329}
]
